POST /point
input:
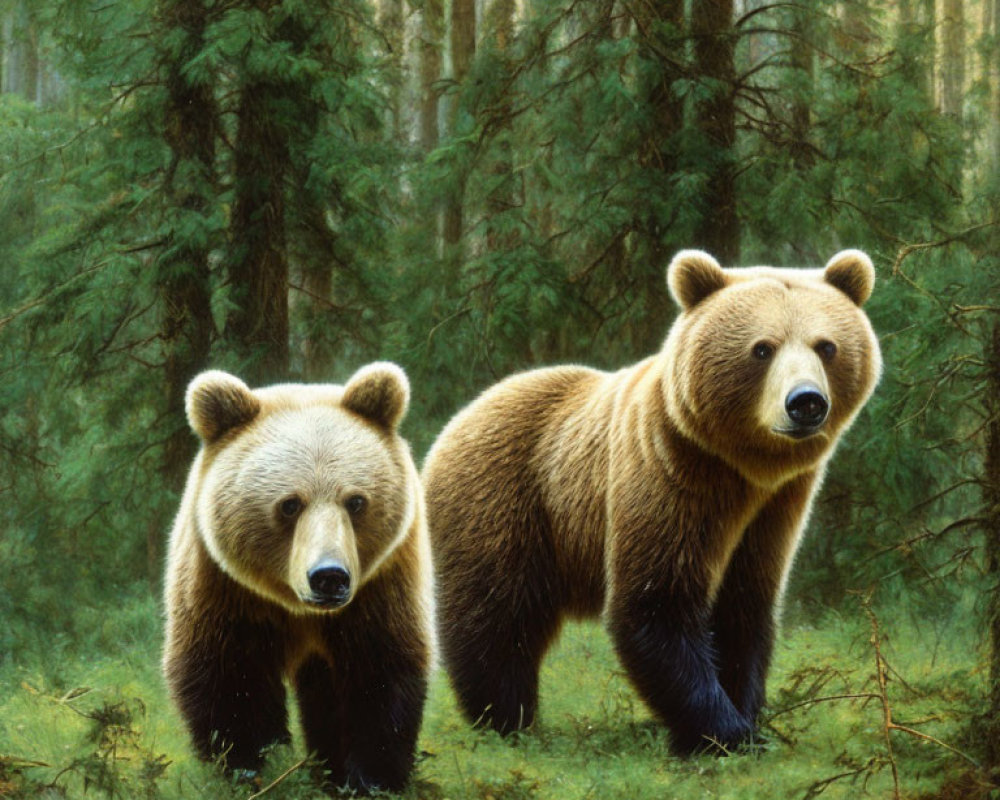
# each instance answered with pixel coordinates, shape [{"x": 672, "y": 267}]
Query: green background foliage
[{"x": 289, "y": 189}]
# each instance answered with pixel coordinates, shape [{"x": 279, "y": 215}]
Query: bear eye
[
  {"x": 290, "y": 507},
  {"x": 826, "y": 349},
  {"x": 355, "y": 504},
  {"x": 762, "y": 351}
]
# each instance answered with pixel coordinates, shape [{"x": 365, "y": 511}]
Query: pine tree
[{"x": 714, "y": 43}]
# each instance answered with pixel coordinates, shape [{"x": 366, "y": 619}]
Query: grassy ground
[{"x": 91, "y": 719}]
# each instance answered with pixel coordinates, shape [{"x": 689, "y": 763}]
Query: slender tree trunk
[
  {"x": 257, "y": 327},
  {"x": 500, "y": 29},
  {"x": 391, "y": 23},
  {"x": 993, "y": 79},
  {"x": 928, "y": 21},
  {"x": 258, "y": 269},
  {"x": 186, "y": 327},
  {"x": 431, "y": 39},
  {"x": 660, "y": 35},
  {"x": 316, "y": 250},
  {"x": 802, "y": 62},
  {"x": 714, "y": 40},
  {"x": 463, "y": 49},
  {"x": 190, "y": 131},
  {"x": 653, "y": 20},
  {"x": 430, "y": 52},
  {"x": 22, "y": 67},
  {"x": 912, "y": 43},
  {"x": 953, "y": 58},
  {"x": 991, "y": 496}
]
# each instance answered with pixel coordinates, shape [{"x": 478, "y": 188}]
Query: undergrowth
[{"x": 95, "y": 722}]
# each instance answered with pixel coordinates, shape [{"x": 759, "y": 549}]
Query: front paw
[{"x": 722, "y": 740}]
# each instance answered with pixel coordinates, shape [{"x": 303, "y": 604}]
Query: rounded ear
[
  {"x": 217, "y": 402},
  {"x": 853, "y": 273},
  {"x": 378, "y": 392},
  {"x": 692, "y": 276}
]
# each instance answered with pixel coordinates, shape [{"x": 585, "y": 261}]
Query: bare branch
[{"x": 279, "y": 779}]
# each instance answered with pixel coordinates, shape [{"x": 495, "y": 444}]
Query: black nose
[
  {"x": 807, "y": 406},
  {"x": 330, "y": 584}
]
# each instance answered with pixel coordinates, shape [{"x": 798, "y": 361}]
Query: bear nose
[
  {"x": 330, "y": 583},
  {"x": 807, "y": 406}
]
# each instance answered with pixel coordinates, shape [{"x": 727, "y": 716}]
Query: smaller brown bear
[
  {"x": 668, "y": 497},
  {"x": 300, "y": 550}
]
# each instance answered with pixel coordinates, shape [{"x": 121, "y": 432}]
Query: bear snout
[
  {"x": 330, "y": 584},
  {"x": 807, "y": 407}
]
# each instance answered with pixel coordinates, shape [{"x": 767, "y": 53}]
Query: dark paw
[{"x": 736, "y": 741}]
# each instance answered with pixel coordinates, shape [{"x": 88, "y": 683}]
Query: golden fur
[
  {"x": 658, "y": 495},
  {"x": 291, "y": 478}
]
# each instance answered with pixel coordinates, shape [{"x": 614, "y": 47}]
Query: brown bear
[
  {"x": 300, "y": 550},
  {"x": 668, "y": 497}
]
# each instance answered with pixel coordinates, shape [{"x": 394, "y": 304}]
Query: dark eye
[
  {"x": 826, "y": 349},
  {"x": 355, "y": 504},
  {"x": 762, "y": 351},
  {"x": 290, "y": 507}
]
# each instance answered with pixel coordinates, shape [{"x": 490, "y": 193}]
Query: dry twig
[{"x": 279, "y": 779}]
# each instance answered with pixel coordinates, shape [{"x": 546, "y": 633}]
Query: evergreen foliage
[{"x": 246, "y": 184}]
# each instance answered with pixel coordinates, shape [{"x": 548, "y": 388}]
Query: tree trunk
[
  {"x": 991, "y": 497},
  {"x": 928, "y": 21},
  {"x": 393, "y": 28},
  {"x": 316, "y": 253},
  {"x": 912, "y": 43},
  {"x": 186, "y": 327},
  {"x": 463, "y": 49},
  {"x": 500, "y": 29},
  {"x": 431, "y": 42},
  {"x": 431, "y": 37},
  {"x": 258, "y": 270},
  {"x": 21, "y": 70},
  {"x": 802, "y": 62},
  {"x": 993, "y": 80},
  {"x": 190, "y": 131},
  {"x": 953, "y": 58},
  {"x": 660, "y": 30},
  {"x": 257, "y": 327},
  {"x": 714, "y": 39}
]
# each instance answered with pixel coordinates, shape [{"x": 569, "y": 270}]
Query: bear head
[
  {"x": 302, "y": 491},
  {"x": 767, "y": 367}
]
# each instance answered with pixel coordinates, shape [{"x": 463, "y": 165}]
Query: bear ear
[
  {"x": 692, "y": 276},
  {"x": 217, "y": 402},
  {"x": 853, "y": 273},
  {"x": 378, "y": 392}
]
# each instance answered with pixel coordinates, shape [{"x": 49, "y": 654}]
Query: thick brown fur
[
  {"x": 668, "y": 497},
  {"x": 271, "y": 502}
]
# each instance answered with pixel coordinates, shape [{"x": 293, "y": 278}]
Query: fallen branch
[{"x": 279, "y": 779}]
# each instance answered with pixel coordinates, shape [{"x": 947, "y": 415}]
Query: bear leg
[
  {"x": 493, "y": 649},
  {"x": 495, "y": 677},
  {"x": 670, "y": 660},
  {"x": 322, "y": 709},
  {"x": 743, "y": 628},
  {"x": 361, "y": 717},
  {"x": 743, "y": 617},
  {"x": 229, "y": 690}
]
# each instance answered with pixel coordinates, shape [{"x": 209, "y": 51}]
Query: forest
[{"x": 289, "y": 189}]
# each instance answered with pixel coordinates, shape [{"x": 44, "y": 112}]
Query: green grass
[{"x": 91, "y": 719}]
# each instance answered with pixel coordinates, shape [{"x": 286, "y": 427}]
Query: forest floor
[{"x": 89, "y": 717}]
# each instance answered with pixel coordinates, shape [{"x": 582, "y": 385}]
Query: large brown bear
[
  {"x": 300, "y": 550},
  {"x": 668, "y": 497}
]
